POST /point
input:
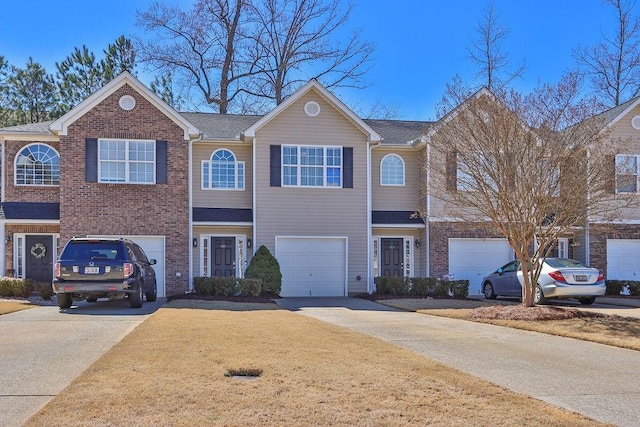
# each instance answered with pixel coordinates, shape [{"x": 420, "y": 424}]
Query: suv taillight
[
  {"x": 56, "y": 272},
  {"x": 127, "y": 269}
]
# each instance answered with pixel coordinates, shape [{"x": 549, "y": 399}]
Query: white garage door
[
  {"x": 623, "y": 259},
  {"x": 153, "y": 246},
  {"x": 312, "y": 266},
  {"x": 472, "y": 259}
]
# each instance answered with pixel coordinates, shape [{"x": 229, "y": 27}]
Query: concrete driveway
[
  {"x": 596, "y": 380},
  {"x": 43, "y": 349}
]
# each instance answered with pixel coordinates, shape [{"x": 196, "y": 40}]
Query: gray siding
[{"x": 282, "y": 211}]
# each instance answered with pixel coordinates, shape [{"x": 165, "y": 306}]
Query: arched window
[
  {"x": 223, "y": 171},
  {"x": 392, "y": 170},
  {"x": 37, "y": 164}
]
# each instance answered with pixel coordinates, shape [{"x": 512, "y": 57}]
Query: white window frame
[
  {"x": 391, "y": 176},
  {"x": 619, "y": 166},
  {"x": 297, "y": 167},
  {"x": 243, "y": 253},
  {"x": 53, "y": 172},
  {"x": 206, "y": 171},
  {"x": 468, "y": 183},
  {"x": 126, "y": 161}
]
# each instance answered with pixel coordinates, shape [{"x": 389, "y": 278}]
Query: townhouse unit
[{"x": 338, "y": 199}]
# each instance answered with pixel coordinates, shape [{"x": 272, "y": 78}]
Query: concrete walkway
[
  {"x": 43, "y": 349},
  {"x": 596, "y": 380}
]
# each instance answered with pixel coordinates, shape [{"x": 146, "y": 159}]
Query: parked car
[
  {"x": 103, "y": 268},
  {"x": 559, "y": 278}
]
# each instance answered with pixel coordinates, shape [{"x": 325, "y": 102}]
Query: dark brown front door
[
  {"x": 223, "y": 261},
  {"x": 392, "y": 265},
  {"x": 39, "y": 259}
]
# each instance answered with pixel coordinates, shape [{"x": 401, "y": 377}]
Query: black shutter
[
  {"x": 347, "y": 171},
  {"x": 161, "y": 162},
  {"x": 452, "y": 171},
  {"x": 275, "y": 166},
  {"x": 91, "y": 159}
]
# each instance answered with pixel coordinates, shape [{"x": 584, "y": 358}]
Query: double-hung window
[
  {"x": 392, "y": 170},
  {"x": 126, "y": 161},
  {"x": 476, "y": 172},
  {"x": 311, "y": 166},
  {"x": 222, "y": 172},
  {"x": 627, "y": 173}
]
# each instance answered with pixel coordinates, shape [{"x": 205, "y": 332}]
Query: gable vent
[
  {"x": 312, "y": 109},
  {"x": 127, "y": 102},
  {"x": 635, "y": 122}
]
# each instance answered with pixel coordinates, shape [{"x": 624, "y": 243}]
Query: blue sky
[{"x": 421, "y": 44}]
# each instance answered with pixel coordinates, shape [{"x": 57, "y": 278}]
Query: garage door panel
[
  {"x": 623, "y": 259},
  {"x": 312, "y": 266},
  {"x": 472, "y": 259}
]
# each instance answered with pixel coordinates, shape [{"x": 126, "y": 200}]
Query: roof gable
[
  {"x": 61, "y": 125},
  {"x": 372, "y": 135}
]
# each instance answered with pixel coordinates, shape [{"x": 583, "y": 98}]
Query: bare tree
[
  {"x": 203, "y": 48},
  {"x": 524, "y": 165},
  {"x": 613, "y": 65},
  {"x": 300, "y": 43},
  {"x": 487, "y": 52}
]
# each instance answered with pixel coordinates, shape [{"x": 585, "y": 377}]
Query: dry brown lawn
[
  {"x": 173, "y": 370},
  {"x": 566, "y": 322},
  {"x": 7, "y": 307}
]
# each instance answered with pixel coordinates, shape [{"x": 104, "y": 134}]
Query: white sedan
[{"x": 559, "y": 278}]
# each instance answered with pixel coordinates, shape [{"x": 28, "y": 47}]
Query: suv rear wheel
[
  {"x": 152, "y": 295},
  {"x": 64, "y": 300},
  {"x": 135, "y": 299}
]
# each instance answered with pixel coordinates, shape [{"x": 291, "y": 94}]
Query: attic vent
[
  {"x": 635, "y": 122},
  {"x": 312, "y": 109},
  {"x": 127, "y": 102}
]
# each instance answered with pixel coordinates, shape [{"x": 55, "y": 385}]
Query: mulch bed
[
  {"x": 264, "y": 298},
  {"x": 520, "y": 312}
]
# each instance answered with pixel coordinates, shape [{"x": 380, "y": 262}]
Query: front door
[
  {"x": 392, "y": 265},
  {"x": 223, "y": 261},
  {"x": 39, "y": 258}
]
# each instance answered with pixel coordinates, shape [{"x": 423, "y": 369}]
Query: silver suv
[{"x": 103, "y": 268}]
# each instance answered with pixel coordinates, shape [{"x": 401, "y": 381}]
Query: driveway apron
[
  {"x": 595, "y": 380},
  {"x": 43, "y": 349}
]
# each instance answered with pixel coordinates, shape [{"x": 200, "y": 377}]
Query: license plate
[
  {"x": 581, "y": 277},
  {"x": 91, "y": 270}
]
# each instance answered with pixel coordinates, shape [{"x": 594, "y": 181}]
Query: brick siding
[
  {"x": 128, "y": 209},
  {"x": 25, "y": 193},
  {"x": 598, "y": 235}
]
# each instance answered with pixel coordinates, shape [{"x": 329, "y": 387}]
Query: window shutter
[
  {"x": 161, "y": 162},
  {"x": 91, "y": 159},
  {"x": 611, "y": 181},
  {"x": 275, "y": 166},
  {"x": 452, "y": 171},
  {"x": 347, "y": 171}
]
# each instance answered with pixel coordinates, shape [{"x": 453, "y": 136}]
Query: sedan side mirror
[
  {"x": 500, "y": 271},
  {"x": 152, "y": 261}
]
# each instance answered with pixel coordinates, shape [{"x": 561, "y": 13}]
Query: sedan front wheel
[
  {"x": 538, "y": 298},
  {"x": 487, "y": 289}
]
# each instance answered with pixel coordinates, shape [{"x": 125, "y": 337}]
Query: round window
[
  {"x": 127, "y": 102},
  {"x": 312, "y": 108},
  {"x": 635, "y": 122}
]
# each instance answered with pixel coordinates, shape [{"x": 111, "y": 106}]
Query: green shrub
[
  {"x": 11, "y": 287},
  {"x": 614, "y": 287},
  {"x": 227, "y": 286},
  {"x": 392, "y": 285},
  {"x": 44, "y": 290},
  {"x": 459, "y": 288},
  {"x": 250, "y": 287},
  {"x": 265, "y": 266},
  {"x": 422, "y": 286},
  {"x": 633, "y": 287}
]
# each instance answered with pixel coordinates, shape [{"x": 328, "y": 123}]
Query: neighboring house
[{"x": 336, "y": 198}]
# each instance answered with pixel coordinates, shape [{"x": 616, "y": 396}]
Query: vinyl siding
[
  {"x": 221, "y": 198},
  {"x": 393, "y": 197},
  {"x": 336, "y": 212}
]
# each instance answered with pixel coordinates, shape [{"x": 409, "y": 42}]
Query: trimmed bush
[
  {"x": 459, "y": 288},
  {"x": 227, "y": 286},
  {"x": 265, "y": 266},
  {"x": 250, "y": 287},
  {"x": 615, "y": 287},
  {"x": 634, "y": 288},
  {"x": 44, "y": 290},
  {"x": 422, "y": 286},
  {"x": 11, "y": 287},
  {"x": 392, "y": 285}
]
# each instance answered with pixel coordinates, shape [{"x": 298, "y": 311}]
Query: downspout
[
  {"x": 190, "y": 186},
  {"x": 254, "y": 205},
  {"x": 370, "y": 278},
  {"x": 3, "y": 225},
  {"x": 427, "y": 210}
]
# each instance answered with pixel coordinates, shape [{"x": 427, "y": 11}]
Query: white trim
[
  {"x": 23, "y": 255},
  {"x": 223, "y": 224},
  {"x": 29, "y": 137},
  {"x": 370, "y": 283},
  {"x": 61, "y": 125},
  {"x": 127, "y": 161},
  {"x": 373, "y": 136},
  {"x": 299, "y": 166},
  {"x": 190, "y": 196},
  {"x": 15, "y": 166},
  {"x": 623, "y": 113},
  {"x": 412, "y": 256},
  {"x": 416, "y": 226},
  {"x": 241, "y": 266},
  {"x": 236, "y": 173}
]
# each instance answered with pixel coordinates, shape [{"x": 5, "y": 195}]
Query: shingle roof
[
  {"x": 221, "y": 126},
  {"x": 222, "y": 215},
  {"x": 395, "y": 217},
  {"x": 25, "y": 210},
  {"x": 30, "y": 128},
  {"x": 398, "y": 132}
]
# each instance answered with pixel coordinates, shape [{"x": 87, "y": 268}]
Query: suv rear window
[{"x": 92, "y": 251}]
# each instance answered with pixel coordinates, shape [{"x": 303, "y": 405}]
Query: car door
[{"x": 506, "y": 282}]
